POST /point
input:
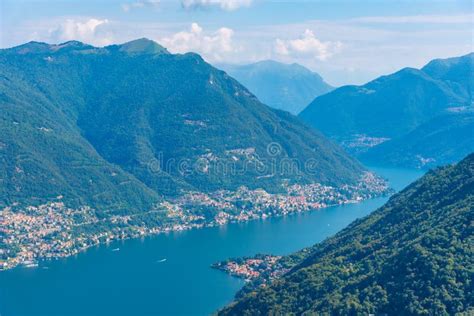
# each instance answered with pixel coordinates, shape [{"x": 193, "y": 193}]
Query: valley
[
  {"x": 392, "y": 256},
  {"x": 51, "y": 231},
  {"x": 236, "y": 158},
  {"x": 163, "y": 142},
  {"x": 102, "y": 275}
]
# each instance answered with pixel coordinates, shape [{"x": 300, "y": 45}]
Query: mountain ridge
[
  {"x": 390, "y": 107},
  {"x": 115, "y": 144}
]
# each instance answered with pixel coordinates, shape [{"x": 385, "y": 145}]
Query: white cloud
[
  {"x": 307, "y": 46},
  {"x": 228, "y": 5},
  {"x": 212, "y": 46},
  {"x": 372, "y": 46},
  {"x": 431, "y": 19},
  {"x": 140, "y": 4},
  {"x": 88, "y": 31}
]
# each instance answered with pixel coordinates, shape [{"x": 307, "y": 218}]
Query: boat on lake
[{"x": 30, "y": 264}]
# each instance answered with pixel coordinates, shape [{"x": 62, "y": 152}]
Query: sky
[{"x": 345, "y": 41}]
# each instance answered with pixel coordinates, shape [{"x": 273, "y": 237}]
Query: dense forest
[
  {"x": 412, "y": 256},
  {"x": 122, "y": 126}
]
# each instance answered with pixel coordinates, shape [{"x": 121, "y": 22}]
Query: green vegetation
[
  {"x": 99, "y": 144},
  {"x": 118, "y": 128},
  {"x": 412, "y": 256},
  {"x": 397, "y": 109}
]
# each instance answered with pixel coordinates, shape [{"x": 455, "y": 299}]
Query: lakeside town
[
  {"x": 53, "y": 230},
  {"x": 259, "y": 267}
]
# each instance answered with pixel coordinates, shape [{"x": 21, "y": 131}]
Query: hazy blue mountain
[
  {"x": 458, "y": 72},
  {"x": 281, "y": 86},
  {"x": 412, "y": 256},
  {"x": 391, "y": 107},
  {"x": 127, "y": 124}
]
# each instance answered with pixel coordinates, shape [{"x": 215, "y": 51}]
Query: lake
[{"x": 137, "y": 281}]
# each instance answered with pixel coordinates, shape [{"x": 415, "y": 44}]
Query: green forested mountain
[
  {"x": 281, "y": 86},
  {"x": 391, "y": 107},
  {"x": 412, "y": 256},
  {"x": 122, "y": 126}
]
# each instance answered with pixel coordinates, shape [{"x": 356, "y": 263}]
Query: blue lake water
[{"x": 136, "y": 281}]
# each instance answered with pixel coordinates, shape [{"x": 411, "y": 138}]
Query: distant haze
[{"x": 289, "y": 87}]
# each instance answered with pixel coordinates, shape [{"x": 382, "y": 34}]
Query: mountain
[
  {"x": 120, "y": 128},
  {"x": 412, "y": 256},
  {"x": 281, "y": 86},
  {"x": 141, "y": 46},
  {"x": 456, "y": 71},
  {"x": 391, "y": 107},
  {"x": 43, "y": 153},
  {"x": 441, "y": 140},
  {"x": 99, "y": 144}
]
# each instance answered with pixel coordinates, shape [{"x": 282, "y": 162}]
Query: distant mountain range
[
  {"x": 289, "y": 87},
  {"x": 412, "y": 256},
  {"x": 409, "y": 111},
  {"x": 120, "y": 128}
]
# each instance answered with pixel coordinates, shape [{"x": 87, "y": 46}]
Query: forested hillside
[
  {"x": 98, "y": 144},
  {"x": 412, "y": 256},
  {"x": 124, "y": 125}
]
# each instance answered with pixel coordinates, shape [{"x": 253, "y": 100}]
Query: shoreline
[
  {"x": 71, "y": 238},
  {"x": 77, "y": 251}
]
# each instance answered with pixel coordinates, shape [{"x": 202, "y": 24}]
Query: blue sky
[{"x": 347, "y": 42}]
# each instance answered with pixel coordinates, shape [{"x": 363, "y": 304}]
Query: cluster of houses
[{"x": 50, "y": 230}]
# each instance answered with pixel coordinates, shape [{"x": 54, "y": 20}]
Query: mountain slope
[
  {"x": 456, "y": 71},
  {"x": 173, "y": 122},
  {"x": 281, "y": 86},
  {"x": 442, "y": 140},
  {"x": 43, "y": 154},
  {"x": 412, "y": 256},
  {"x": 99, "y": 144},
  {"x": 390, "y": 107}
]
